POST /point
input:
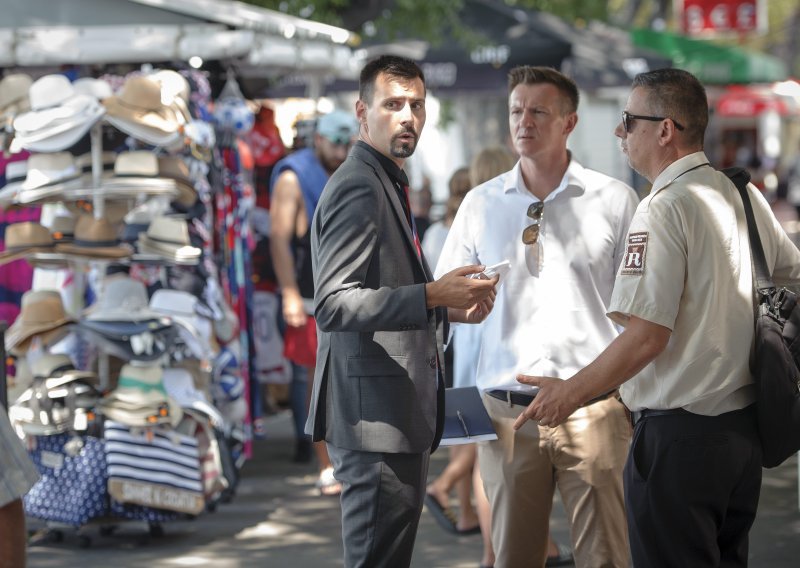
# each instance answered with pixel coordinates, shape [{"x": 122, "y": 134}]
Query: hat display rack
[{"x": 167, "y": 373}]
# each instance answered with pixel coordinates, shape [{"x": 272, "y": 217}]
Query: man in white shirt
[
  {"x": 548, "y": 319},
  {"x": 684, "y": 293}
]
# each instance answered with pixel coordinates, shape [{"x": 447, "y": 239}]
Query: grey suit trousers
[{"x": 382, "y": 495}]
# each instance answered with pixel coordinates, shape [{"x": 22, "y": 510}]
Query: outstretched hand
[{"x": 553, "y": 403}]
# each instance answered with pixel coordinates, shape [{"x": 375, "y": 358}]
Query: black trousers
[{"x": 691, "y": 489}]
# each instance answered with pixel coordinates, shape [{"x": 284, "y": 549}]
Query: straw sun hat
[
  {"x": 42, "y": 315},
  {"x": 25, "y": 238},
  {"x": 95, "y": 238},
  {"x": 139, "y": 111}
]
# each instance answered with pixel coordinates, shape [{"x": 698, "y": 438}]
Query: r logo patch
[{"x": 635, "y": 253}]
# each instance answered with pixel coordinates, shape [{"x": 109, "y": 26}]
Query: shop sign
[
  {"x": 722, "y": 17},
  {"x": 745, "y": 102}
]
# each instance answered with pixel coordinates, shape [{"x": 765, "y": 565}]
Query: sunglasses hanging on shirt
[{"x": 530, "y": 235}]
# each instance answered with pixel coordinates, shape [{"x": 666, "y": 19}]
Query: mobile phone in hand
[{"x": 500, "y": 268}]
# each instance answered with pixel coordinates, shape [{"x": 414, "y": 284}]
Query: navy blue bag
[{"x": 72, "y": 489}]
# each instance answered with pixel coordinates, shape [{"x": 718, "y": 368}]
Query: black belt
[
  {"x": 512, "y": 397},
  {"x": 517, "y": 398},
  {"x": 647, "y": 412}
]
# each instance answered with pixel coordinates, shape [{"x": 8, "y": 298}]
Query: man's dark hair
[
  {"x": 677, "y": 94},
  {"x": 392, "y": 65},
  {"x": 529, "y": 75}
]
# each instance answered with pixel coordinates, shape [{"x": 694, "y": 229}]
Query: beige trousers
[{"x": 584, "y": 458}]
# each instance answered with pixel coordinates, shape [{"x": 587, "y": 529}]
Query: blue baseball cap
[{"x": 337, "y": 126}]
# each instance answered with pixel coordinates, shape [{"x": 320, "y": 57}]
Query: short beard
[{"x": 403, "y": 149}]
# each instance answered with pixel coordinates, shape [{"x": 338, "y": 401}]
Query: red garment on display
[
  {"x": 300, "y": 344},
  {"x": 265, "y": 139}
]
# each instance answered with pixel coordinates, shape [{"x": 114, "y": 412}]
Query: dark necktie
[{"x": 411, "y": 222}]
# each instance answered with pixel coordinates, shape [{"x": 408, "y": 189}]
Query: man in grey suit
[{"x": 378, "y": 396}]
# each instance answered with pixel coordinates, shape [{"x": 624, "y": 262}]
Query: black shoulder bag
[{"x": 777, "y": 349}]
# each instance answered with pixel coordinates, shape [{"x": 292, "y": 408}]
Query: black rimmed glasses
[
  {"x": 531, "y": 233},
  {"x": 628, "y": 118}
]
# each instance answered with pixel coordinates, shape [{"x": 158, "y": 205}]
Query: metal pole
[
  {"x": 3, "y": 385},
  {"x": 98, "y": 203}
]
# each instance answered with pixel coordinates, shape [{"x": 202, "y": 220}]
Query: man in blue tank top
[{"x": 296, "y": 185}]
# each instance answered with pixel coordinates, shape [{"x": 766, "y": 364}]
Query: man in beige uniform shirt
[{"x": 684, "y": 293}]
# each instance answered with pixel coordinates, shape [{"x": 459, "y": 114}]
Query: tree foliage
[{"x": 428, "y": 19}]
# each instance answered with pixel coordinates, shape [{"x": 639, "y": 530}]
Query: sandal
[
  {"x": 564, "y": 557},
  {"x": 327, "y": 484},
  {"x": 443, "y": 515}
]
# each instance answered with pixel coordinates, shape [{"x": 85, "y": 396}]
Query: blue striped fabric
[{"x": 169, "y": 459}]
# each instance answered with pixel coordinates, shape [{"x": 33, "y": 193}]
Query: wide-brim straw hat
[
  {"x": 42, "y": 311},
  {"x": 139, "y": 104},
  {"x": 47, "y": 177},
  {"x": 175, "y": 92},
  {"x": 54, "y": 130},
  {"x": 95, "y": 238},
  {"x": 140, "y": 398},
  {"x": 45, "y": 339},
  {"x": 14, "y": 93},
  {"x": 24, "y": 239}
]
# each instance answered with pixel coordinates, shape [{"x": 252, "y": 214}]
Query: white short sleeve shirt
[
  {"x": 549, "y": 314},
  {"x": 687, "y": 267}
]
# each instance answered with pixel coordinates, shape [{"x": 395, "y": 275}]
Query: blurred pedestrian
[
  {"x": 296, "y": 186},
  {"x": 17, "y": 476}
]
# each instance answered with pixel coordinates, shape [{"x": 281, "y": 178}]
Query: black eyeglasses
[
  {"x": 628, "y": 118},
  {"x": 531, "y": 233}
]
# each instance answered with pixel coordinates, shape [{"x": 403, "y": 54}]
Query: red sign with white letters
[{"x": 721, "y": 17}]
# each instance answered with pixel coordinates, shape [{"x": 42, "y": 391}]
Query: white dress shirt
[
  {"x": 688, "y": 267},
  {"x": 549, "y": 315}
]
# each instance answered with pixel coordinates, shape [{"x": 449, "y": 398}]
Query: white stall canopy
[{"x": 43, "y": 32}]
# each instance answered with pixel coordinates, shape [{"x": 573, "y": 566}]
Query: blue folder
[{"x": 465, "y": 418}]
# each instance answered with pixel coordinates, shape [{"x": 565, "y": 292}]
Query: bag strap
[{"x": 763, "y": 281}]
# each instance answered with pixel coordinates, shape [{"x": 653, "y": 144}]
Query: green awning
[{"x": 712, "y": 63}]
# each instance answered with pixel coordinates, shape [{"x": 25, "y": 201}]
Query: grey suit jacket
[{"x": 376, "y": 386}]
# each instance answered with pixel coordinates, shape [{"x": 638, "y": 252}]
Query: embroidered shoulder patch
[{"x": 635, "y": 253}]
